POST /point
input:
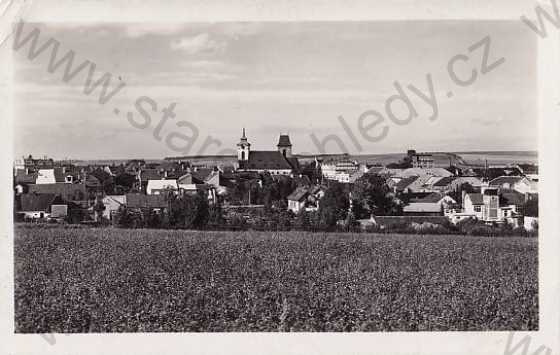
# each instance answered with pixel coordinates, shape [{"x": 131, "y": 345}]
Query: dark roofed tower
[{"x": 285, "y": 146}]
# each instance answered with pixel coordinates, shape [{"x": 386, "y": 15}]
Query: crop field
[{"x": 114, "y": 280}]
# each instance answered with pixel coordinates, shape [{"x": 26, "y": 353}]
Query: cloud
[{"x": 201, "y": 43}]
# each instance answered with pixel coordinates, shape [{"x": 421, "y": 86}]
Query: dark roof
[
  {"x": 445, "y": 181},
  {"x": 491, "y": 192},
  {"x": 401, "y": 185},
  {"x": 284, "y": 141},
  {"x": 145, "y": 201},
  {"x": 266, "y": 160},
  {"x": 59, "y": 176},
  {"x": 150, "y": 174},
  {"x": 68, "y": 192},
  {"x": 432, "y": 198},
  {"x": 101, "y": 175},
  {"x": 23, "y": 178},
  {"x": 476, "y": 199},
  {"x": 512, "y": 198},
  {"x": 529, "y": 168},
  {"x": 36, "y": 202},
  {"x": 506, "y": 180},
  {"x": 201, "y": 174},
  {"x": 294, "y": 162},
  {"x": 302, "y": 181},
  {"x": 299, "y": 194},
  {"x": 92, "y": 181}
]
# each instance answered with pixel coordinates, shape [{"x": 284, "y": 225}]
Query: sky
[{"x": 295, "y": 78}]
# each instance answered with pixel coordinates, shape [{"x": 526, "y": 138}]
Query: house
[
  {"x": 401, "y": 184},
  {"x": 342, "y": 170},
  {"x": 492, "y": 205},
  {"x": 441, "y": 172},
  {"x": 38, "y": 206},
  {"x": 156, "y": 203},
  {"x": 157, "y": 187},
  {"x": 530, "y": 171},
  {"x": 444, "y": 184},
  {"x": 475, "y": 182},
  {"x": 112, "y": 204},
  {"x": 421, "y": 160},
  {"x": 517, "y": 183},
  {"x": 208, "y": 190},
  {"x": 422, "y": 184},
  {"x": 434, "y": 204},
  {"x": 305, "y": 198},
  {"x": 68, "y": 192},
  {"x": 422, "y": 209},
  {"x": 298, "y": 199},
  {"x": 46, "y": 176},
  {"x": 278, "y": 162}
]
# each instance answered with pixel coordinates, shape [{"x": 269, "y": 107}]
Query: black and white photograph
[{"x": 249, "y": 176}]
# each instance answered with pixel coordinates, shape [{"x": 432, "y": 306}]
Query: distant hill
[{"x": 441, "y": 159}]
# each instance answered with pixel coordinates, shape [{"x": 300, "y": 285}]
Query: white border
[{"x": 301, "y": 343}]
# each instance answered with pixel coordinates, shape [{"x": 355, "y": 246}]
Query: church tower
[
  {"x": 243, "y": 148},
  {"x": 285, "y": 146}
]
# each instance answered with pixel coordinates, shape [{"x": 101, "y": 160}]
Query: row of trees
[{"x": 186, "y": 211}]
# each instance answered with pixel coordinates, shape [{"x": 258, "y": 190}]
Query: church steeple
[
  {"x": 243, "y": 148},
  {"x": 285, "y": 146}
]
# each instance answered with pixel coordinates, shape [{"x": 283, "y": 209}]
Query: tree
[
  {"x": 334, "y": 205},
  {"x": 98, "y": 209},
  {"x": 302, "y": 221},
  {"x": 351, "y": 224},
  {"x": 189, "y": 211},
  {"x": 216, "y": 216},
  {"x": 123, "y": 218},
  {"x": 372, "y": 191},
  {"x": 531, "y": 208},
  {"x": 360, "y": 210}
]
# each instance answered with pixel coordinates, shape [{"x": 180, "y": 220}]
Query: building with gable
[{"x": 275, "y": 162}]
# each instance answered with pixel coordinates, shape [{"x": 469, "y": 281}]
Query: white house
[
  {"x": 491, "y": 206},
  {"x": 45, "y": 176},
  {"x": 518, "y": 183},
  {"x": 157, "y": 187},
  {"x": 305, "y": 198},
  {"x": 112, "y": 204}
]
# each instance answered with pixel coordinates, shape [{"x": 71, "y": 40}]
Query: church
[{"x": 276, "y": 162}]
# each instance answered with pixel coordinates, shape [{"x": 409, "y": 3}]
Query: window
[{"x": 477, "y": 208}]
